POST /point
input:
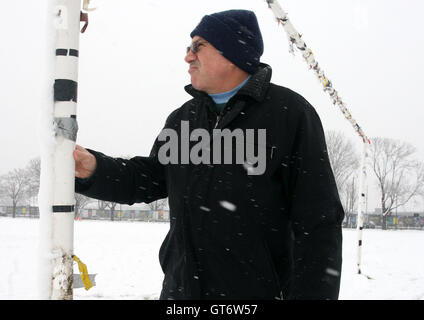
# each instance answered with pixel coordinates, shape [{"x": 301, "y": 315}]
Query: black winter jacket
[{"x": 234, "y": 235}]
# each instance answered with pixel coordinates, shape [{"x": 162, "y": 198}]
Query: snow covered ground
[{"x": 124, "y": 257}]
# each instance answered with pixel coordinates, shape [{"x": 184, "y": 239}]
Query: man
[{"x": 235, "y": 234}]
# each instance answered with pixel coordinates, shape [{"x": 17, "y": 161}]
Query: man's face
[{"x": 209, "y": 70}]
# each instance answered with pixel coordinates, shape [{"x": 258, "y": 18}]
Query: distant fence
[
  {"x": 371, "y": 221},
  {"x": 21, "y": 211},
  {"x": 93, "y": 214},
  {"x": 374, "y": 221}
]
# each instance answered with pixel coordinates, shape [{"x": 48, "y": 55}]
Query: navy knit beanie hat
[{"x": 236, "y": 34}]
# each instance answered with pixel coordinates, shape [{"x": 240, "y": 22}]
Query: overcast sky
[{"x": 132, "y": 72}]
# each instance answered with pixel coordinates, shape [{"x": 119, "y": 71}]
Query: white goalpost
[{"x": 57, "y": 179}]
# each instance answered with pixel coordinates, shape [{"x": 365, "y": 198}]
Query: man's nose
[{"x": 190, "y": 57}]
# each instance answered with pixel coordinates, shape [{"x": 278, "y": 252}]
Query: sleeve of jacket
[
  {"x": 139, "y": 179},
  {"x": 316, "y": 213}
]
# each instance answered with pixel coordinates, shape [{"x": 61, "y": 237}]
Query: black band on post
[
  {"x": 64, "y": 52},
  {"x": 63, "y": 208},
  {"x": 65, "y": 90},
  {"x": 73, "y": 52},
  {"x": 61, "y": 52}
]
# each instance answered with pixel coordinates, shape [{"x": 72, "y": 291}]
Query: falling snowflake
[
  {"x": 332, "y": 272},
  {"x": 228, "y": 205}
]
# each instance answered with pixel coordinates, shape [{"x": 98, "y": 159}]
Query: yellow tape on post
[{"x": 84, "y": 273}]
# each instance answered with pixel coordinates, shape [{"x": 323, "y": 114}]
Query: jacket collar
[{"x": 256, "y": 87}]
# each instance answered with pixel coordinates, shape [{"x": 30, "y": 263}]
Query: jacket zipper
[
  {"x": 217, "y": 120},
  {"x": 220, "y": 115}
]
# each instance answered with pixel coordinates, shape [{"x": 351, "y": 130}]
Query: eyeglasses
[{"x": 194, "y": 46}]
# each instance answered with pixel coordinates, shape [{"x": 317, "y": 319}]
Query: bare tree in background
[
  {"x": 345, "y": 164},
  {"x": 80, "y": 202},
  {"x": 33, "y": 172},
  {"x": 400, "y": 178},
  {"x": 105, "y": 205},
  {"x": 157, "y": 205},
  {"x": 14, "y": 187},
  {"x": 350, "y": 195}
]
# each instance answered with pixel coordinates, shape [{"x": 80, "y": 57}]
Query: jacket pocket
[
  {"x": 262, "y": 281},
  {"x": 274, "y": 279}
]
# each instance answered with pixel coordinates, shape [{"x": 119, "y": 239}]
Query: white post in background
[
  {"x": 362, "y": 203},
  {"x": 67, "y": 25}
]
